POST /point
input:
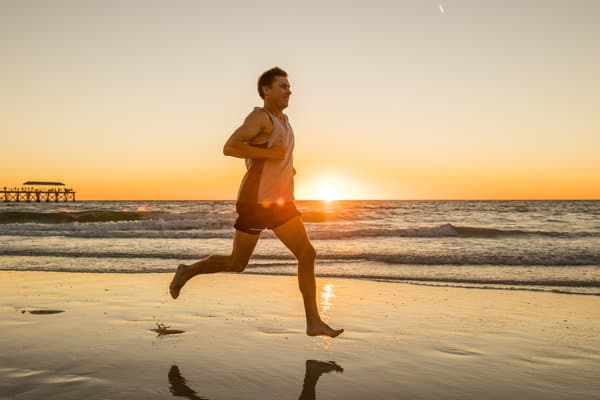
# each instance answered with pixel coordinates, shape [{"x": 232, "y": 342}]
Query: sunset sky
[{"x": 391, "y": 99}]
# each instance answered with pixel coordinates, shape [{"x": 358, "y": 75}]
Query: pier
[{"x": 37, "y": 191}]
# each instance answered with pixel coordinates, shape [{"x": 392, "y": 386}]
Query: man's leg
[
  {"x": 243, "y": 246},
  {"x": 294, "y": 236}
]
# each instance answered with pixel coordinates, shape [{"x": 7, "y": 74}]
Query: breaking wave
[{"x": 155, "y": 224}]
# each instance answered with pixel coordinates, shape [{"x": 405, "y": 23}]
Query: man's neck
[{"x": 276, "y": 111}]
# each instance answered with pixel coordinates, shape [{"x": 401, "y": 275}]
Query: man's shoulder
[
  {"x": 259, "y": 116},
  {"x": 258, "y": 112}
]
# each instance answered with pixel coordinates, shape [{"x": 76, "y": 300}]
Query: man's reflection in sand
[{"x": 314, "y": 369}]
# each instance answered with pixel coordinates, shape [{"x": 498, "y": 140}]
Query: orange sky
[{"x": 402, "y": 101}]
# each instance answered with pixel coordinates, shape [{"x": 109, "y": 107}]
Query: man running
[{"x": 266, "y": 198}]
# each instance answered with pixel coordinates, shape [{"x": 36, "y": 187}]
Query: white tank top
[{"x": 271, "y": 181}]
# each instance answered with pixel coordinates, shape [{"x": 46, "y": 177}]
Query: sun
[
  {"x": 328, "y": 193},
  {"x": 329, "y": 187}
]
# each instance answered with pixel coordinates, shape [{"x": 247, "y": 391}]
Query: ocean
[{"x": 513, "y": 245}]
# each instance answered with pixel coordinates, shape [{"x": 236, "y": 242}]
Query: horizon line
[{"x": 372, "y": 199}]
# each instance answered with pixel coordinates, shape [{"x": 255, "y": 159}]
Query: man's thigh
[
  {"x": 243, "y": 246},
  {"x": 293, "y": 234}
]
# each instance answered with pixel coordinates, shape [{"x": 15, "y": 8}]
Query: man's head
[{"x": 274, "y": 87}]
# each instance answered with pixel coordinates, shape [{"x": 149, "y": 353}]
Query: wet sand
[{"x": 120, "y": 337}]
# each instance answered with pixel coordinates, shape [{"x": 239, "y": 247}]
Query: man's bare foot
[
  {"x": 317, "y": 368},
  {"x": 322, "y": 329},
  {"x": 179, "y": 279}
]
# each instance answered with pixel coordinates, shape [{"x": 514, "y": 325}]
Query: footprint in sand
[
  {"x": 456, "y": 351},
  {"x": 274, "y": 331}
]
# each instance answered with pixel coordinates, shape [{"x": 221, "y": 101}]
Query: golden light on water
[
  {"x": 326, "y": 297},
  {"x": 326, "y": 302}
]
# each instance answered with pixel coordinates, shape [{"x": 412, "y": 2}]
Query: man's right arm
[{"x": 238, "y": 144}]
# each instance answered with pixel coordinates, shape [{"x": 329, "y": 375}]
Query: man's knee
[
  {"x": 307, "y": 253},
  {"x": 236, "y": 265}
]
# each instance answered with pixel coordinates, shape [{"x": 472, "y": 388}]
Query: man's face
[{"x": 279, "y": 92}]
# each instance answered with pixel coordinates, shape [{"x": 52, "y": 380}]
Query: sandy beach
[{"x": 91, "y": 335}]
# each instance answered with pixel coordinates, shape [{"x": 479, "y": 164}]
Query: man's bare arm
[{"x": 238, "y": 144}]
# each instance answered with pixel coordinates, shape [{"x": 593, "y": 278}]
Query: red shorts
[{"x": 253, "y": 218}]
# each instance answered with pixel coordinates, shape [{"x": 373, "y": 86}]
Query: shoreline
[
  {"x": 488, "y": 285},
  {"x": 243, "y": 337}
]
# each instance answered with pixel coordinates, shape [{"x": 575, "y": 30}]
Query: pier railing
[{"x": 36, "y": 195}]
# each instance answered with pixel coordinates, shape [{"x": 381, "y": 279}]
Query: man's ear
[{"x": 265, "y": 89}]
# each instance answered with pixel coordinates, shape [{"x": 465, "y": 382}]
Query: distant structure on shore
[{"x": 37, "y": 191}]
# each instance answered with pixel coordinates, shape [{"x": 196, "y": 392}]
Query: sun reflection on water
[
  {"x": 326, "y": 303},
  {"x": 326, "y": 298}
]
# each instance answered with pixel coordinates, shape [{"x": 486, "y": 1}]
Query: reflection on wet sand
[
  {"x": 314, "y": 370},
  {"x": 179, "y": 387}
]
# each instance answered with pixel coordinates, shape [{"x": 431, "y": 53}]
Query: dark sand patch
[{"x": 45, "y": 312}]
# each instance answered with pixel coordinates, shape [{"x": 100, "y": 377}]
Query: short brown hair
[{"x": 267, "y": 78}]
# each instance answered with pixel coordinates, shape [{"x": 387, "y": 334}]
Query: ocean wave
[
  {"x": 464, "y": 281},
  {"x": 157, "y": 225},
  {"x": 154, "y": 228},
  {"x": 449, "y": 230},
  {"x": 62, "y": 217},
  {"x": 578, "y": 257}
]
